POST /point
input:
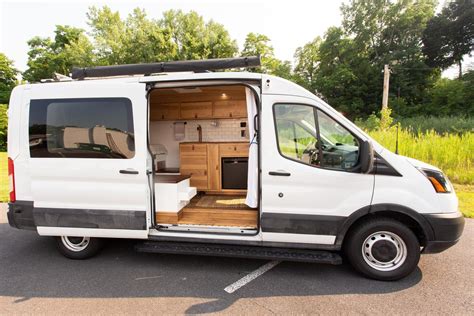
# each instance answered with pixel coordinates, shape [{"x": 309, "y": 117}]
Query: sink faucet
[{"x": 199, "y": 128}]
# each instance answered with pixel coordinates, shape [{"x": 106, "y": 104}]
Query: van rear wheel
[
  {"x": 383, "y": 249},
  {"x": 78, "y": 247}
]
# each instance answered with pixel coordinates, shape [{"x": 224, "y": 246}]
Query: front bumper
[{"x": 447, "y": 228}]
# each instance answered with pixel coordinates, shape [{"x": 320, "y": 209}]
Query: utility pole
[{"x": 386, "y": 83}]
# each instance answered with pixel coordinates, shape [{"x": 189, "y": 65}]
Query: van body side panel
[
  {"x": 82, "y": 192},
  {"x": 309, "y": 204}
]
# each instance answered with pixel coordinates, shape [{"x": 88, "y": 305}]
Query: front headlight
[{"x": 437, "y": 179}]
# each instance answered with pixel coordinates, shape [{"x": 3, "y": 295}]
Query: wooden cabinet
[
  {"x": 165, "y": 111},
  {"x": 194, "y": 163},
  {"x": 234, "y": 150},
  {"x": 213, "y": 166},
  {"x": 229, "y": 109},
  {"x": 202, "y": 161},
  {"x": 196, "y": 110}
]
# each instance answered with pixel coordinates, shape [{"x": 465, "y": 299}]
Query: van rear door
[{"x": 87, "y": 159}]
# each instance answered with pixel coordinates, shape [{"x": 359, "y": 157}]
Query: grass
[
  {"x": 465, "y": 193},
  {"x": 452, "y": 153}
]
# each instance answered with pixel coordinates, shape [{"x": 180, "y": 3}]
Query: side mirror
[{"x": 366, "y": 157}]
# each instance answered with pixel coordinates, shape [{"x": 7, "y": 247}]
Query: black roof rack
[{"x": 169, "y": 66}]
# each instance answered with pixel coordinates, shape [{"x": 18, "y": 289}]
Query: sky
[{"x": 289, "y": 24}]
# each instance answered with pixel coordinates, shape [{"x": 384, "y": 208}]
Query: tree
[
  {"x": 449, "y": 36},
  {"x": 176, "y": 36},
  {"x": 307, "y": 63},
  {"x": 46, "y": 56},
  {"x": 259, "y": 45},
  {"x": 8, "y": 78}
]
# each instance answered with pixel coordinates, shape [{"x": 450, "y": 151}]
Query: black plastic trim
[
  {"x": 20, "y": 215},
  {"x": 447, "y": 227},
  {"x": 438, "y": 246},
  {"x": 86, "y": 218},
  {"x": 386, "y": 207},
  {"x": 382, "y": 167},
  {"x": 23, "y": 215},
  {"x": 301, "y": 224}
]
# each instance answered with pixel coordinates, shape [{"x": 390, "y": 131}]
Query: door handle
[
  {"x": 279, "y": 173},
  {"x": 128, "y": 171}
]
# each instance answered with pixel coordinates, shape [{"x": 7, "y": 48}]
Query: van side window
[
  {"x": 310, "y": 136},
  {"x": 81, "y": 128}
]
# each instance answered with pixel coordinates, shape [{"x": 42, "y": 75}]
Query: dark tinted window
[{"x": 81, "y": 128}]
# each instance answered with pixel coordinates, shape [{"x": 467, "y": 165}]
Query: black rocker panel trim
[
  {"x": 86, "y": 218},
  {"x": 301, "y": 224}
]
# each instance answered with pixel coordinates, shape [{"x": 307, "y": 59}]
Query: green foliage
[
  {"x": 135, "y": 39},
  {"x": 450, "y": 35},
  {"x": 345, "y": 66},
  {"x": 450, "y": 152},
  {"x": 386, "y": 119},
  {"x": 3, "y": 127},
  {"x": 47, "y": 56},
  {"x": 259, "y": 45},
  {"x": 8, "y": 78}
]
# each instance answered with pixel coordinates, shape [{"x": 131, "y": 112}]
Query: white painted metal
[
  {"x": 309, "y": 190},
  {"x": 92, "y": 232}
]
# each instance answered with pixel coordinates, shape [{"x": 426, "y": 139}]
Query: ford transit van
[{"x": 217, "y": 163}]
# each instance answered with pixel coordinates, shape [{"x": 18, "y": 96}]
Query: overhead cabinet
[{"x": 196, "y": 110}]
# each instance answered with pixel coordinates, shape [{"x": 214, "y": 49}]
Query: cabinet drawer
[
  {"x": 234, "y": 149},
  {"x": 196, "y": 110},
  {"x": 193, "y": 149}
]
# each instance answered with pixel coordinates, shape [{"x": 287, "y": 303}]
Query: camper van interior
[{"x": 200, "y": 139}]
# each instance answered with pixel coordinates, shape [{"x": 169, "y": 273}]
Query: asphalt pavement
[{"x": 35, "y": 278}]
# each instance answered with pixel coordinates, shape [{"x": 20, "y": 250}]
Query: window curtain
[{"x": 252, "y": 181}]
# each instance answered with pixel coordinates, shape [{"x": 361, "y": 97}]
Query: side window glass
[
  {"x": 312, "y": 137},
  {"x": 296, "y": 132},
  {"x": 340, "y": 149},
  {"x": 81, "y": 128}
]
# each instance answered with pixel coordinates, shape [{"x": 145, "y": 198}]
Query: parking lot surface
[{"x": 35, "y": 278}]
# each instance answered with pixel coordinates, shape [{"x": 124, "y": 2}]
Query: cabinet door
[
  {"x": 213, "y": 166},
  {"x": 229, "y": 109},
  {"x": 193, "y": 159},
  {"x": 196, "y": 110},
  {"x": 165, "y": 111}
]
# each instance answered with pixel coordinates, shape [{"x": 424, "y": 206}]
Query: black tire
[
  {"x": 388, "y": 248},
  {"x": 82, "y": 250}
]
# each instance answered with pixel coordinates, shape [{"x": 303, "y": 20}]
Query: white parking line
[{"x": 251, "y": 276}]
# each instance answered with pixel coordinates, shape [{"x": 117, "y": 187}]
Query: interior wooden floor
[{"x": 220, "y": 210}]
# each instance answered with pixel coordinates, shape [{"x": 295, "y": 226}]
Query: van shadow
[{"x": 31, "y": 267}]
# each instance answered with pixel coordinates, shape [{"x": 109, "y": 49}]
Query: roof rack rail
[{"x": 169, "y": 66}]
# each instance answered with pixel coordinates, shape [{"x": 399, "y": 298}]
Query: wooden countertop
[{"x": 171, "y": 178}]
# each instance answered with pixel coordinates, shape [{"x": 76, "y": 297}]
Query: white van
[{"x": 217, "y": 163}]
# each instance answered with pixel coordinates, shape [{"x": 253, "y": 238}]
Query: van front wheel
[
  {"x": 78, "y": 247},
  {"x": 383, "y": 249}
]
